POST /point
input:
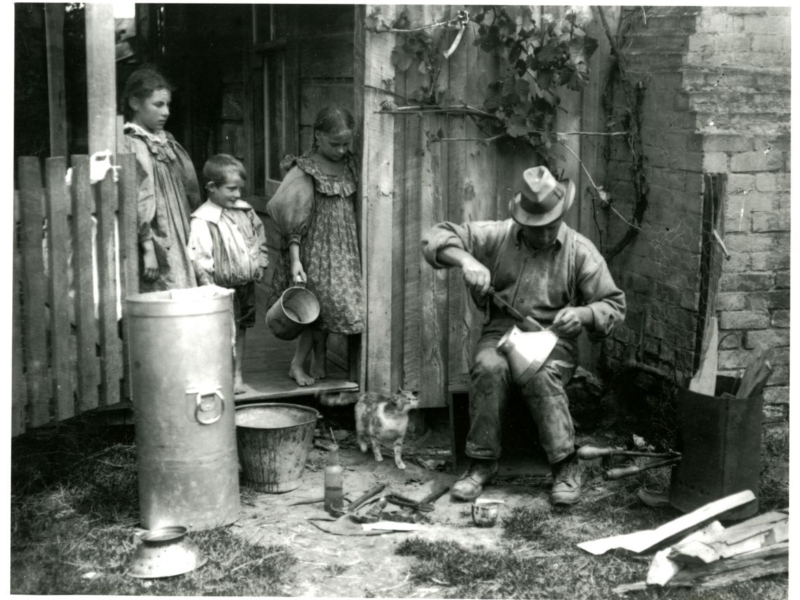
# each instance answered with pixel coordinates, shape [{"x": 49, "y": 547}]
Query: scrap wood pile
[{"x": 701, "y": 553}]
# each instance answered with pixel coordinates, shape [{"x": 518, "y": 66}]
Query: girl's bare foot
[
  {"x": 317, "y": 369},
  {"x": 238, "y": 385},
  {"x": 300, "y": 376}
]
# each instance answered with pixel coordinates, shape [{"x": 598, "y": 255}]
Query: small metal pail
[
  {"x": 181, "y": 364},
  {"x": 295, "y": 309}
]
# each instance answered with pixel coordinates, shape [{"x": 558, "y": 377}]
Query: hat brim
[{"x": 523, "y": 217}]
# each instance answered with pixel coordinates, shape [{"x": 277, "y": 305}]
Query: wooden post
[
  {"x": 101, "y": 77},
  {"x": 110, "y": 351},
  {"x": 82, "y": 232},
  {"x": 34, "y": 290},
  {"x": 57, "y": 102},
  {"x": 129, "y": 251},
  {"x": 58, "y": 241},
  {"x": 378, "y": 201},
  {"x": 19, "y": 388}
]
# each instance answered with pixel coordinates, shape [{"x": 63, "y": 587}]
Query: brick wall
[{"x": 716, "y": 101}]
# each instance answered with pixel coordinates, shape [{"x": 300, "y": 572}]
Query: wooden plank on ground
[
  {"x": 378, "y": 204},
  {"x": 34, "y": 291},
  {"x": 129, "y": 252},
  {"x": 58, "y": 243},
  {"x": 82, "y": 232},
  {"x": 641, "y": 541},
  {"x": 110, "y": 349},
  {"x": 19, "y": 388},
  {"x": 56, "y": 89}
]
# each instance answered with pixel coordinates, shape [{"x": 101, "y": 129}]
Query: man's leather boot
[
  {"x": 470, "y": 485},
  {"x": 567, "y": 476}
]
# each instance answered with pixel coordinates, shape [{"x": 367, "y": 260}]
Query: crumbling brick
[
  {"x": 744, "y": 319},
  {"x": 768, "y": 338},
  {"x": 780, "y": 319},
  {"x": 745, "y": 282}
]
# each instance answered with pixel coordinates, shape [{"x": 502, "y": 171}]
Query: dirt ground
[{"x": 350, "y": 566}]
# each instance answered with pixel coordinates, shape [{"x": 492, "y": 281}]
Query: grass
[
  {"x": 74, "y": 511},
  {"x": 541, "y": 560}
]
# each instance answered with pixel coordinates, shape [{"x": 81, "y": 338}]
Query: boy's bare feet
[{"x": 300, "y": 376}]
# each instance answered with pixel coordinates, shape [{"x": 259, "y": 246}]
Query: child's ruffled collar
[
  {"x": 343, "y": 185},
  {"x": 160, "y": 137}
]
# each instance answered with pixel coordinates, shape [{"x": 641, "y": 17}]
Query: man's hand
[
  {"x": 570, "y": 320},
  {"x": 476, "y": 276}
]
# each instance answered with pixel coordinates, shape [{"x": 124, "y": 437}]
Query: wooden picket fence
[{"x": 69, "y": 354}]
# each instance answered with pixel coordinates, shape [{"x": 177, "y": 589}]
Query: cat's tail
[{"x": 340, "y": 399}]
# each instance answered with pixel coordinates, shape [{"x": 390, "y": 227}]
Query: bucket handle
[{"x": 209, "y": 406}]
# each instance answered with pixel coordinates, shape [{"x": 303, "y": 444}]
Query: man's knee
[{"x": 490, "y": 365}]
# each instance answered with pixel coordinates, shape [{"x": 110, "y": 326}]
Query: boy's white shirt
[{"x": 201, "y": 245}]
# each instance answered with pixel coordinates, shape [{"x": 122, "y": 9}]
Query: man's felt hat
[{"x": 542, "y": 199}]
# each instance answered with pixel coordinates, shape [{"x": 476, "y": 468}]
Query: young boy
[{"x": 228, "y": 246}]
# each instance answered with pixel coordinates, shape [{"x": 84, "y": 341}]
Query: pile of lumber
[{"x": 704, "y": 554}]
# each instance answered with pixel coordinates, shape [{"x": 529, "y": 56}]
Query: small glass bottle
[{"x": 334, "y": 496}]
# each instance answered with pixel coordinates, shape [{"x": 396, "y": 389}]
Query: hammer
[
  {"x": 621, "y": 472},
  {"x": 412, "y": 514}
]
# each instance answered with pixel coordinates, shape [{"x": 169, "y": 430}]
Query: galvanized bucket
[
  {"x": 181, "y": 364},
  {"x": 720, "y": 439},
  {"x": 274, "y": 440}
]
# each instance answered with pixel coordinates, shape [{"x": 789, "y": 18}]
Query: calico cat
[{"x": 379, "y": 419}]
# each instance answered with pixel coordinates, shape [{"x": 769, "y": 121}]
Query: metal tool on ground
[
  {"x": 620, "y": 472},
  {"x": 590, "y": 452},
  {"x": 349, "y": 523},
  {"x": 412, "y": 514},
  {"x": 529, "y": 323}
]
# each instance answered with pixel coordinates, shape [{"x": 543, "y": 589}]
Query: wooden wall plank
[
  {"x": 58, "y": 243},
  {"x": 433, "y": 283},
  {"x": 292, "y": 82},
  {"x": 101, "y": 74},
  {"x": 82, "y": 209},
  {"x": 378, "y": 203},
  {"x": 56, "y": 94},
  {"x": 461, "y": 197},
  {"x": 129, "y": 252},
  {"x": 19, "y": 388},
  {"x": 434, "y": 328},
  {"x": 413, "y": 234},
  {"x": 110, "y": 349},
  {"x": 356, "y": 345},
  {"x": 34, "y": 291}
]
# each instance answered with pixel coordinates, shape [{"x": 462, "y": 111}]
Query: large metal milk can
[{"x": 181, "y": 365}]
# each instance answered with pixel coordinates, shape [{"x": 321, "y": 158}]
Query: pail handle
[{"x": 209, "y": 406}]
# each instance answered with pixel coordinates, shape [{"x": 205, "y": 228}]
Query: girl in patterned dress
[
  {"x": 168, "y": 187},
  {"x": 314, "y": 212}
]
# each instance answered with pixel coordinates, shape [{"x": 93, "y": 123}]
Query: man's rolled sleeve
[
  {"x": 481, "y": 239},
  {"x": 442, "y": 235},
  {"x": 605, "y": 299}
]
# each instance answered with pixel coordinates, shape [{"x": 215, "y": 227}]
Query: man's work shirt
[
  {"x": 539, "y": 283},
  {"x": 228, "y": 246}
]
